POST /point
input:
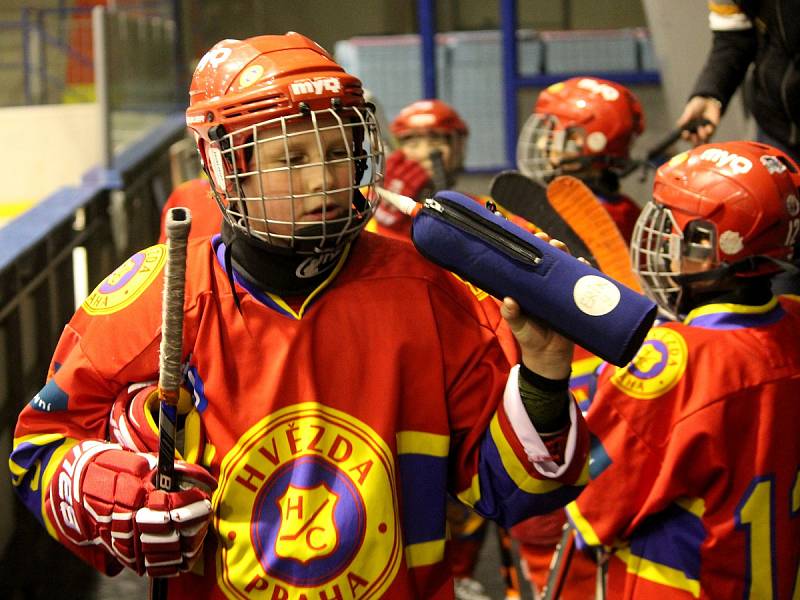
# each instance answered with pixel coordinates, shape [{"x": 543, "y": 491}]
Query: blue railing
[{"x": 109, "y": 215}]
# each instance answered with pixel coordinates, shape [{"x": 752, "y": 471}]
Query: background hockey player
[
  {"x": 694, "y": 472},
  {"x": 584, "y": 127}
]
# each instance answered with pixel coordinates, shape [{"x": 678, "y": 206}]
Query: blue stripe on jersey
[
  {"x": 198, "y": 389},
  {"x": 274, "y": 301},
  {"x": 422, "y": 479},
  {"x": 599, "y": 460},
  {"x": 581, "y": 380},
  {"x": 501, "y": 499},
  {"x": 28, "y": 462},
  {"x": 50, "y": 398},
  {"x": 219, "y": 246},
  {"x": 671, "y": 538}
]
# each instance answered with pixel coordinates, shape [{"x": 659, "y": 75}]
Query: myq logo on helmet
[
  {"x": 315, "y": 87},
  {"x": 596, "y": 87},
  {"x": 722, "y": 158}
]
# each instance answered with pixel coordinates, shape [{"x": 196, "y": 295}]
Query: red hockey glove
[
  {"x": 134, "y": 422},
  {"x": 102, "y": 495},
  {"x": 407, "y": 177}
]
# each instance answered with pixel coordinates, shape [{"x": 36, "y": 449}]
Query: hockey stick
[
  {"x": 439, "y": 177},
  {"x": 673, "y": 136},
  {"x": 577, "y": 205},
  {"x": 508, "y": 571},
  {"x": 559, "y": 564},
  {"x": 655, "y": 155},
  {"x": 178, "y": 224},
  {"x": 522, "y": 196}
]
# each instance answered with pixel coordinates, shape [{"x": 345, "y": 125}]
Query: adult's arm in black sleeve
[{"x": 730, "y": 56}]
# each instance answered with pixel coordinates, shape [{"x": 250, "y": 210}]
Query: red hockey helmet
[
  {"x": 271, "y": 89},
  {"x": 426, "y": 126},
  {"x": 428, "y": 115},
  {"x": 578, "y": 124},
  {"x": 729, "y": 207}
]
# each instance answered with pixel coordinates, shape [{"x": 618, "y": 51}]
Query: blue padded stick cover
[{"x": 583, "y": 304}]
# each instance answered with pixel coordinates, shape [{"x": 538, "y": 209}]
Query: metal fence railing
[
  {"x": 109, "y": 216},
  {"x": 47, "y": 54}
]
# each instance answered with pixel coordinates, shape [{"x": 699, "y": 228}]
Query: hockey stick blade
[
  {"x": 579, "y": 207},
  {"x": 520, "y": 195}
]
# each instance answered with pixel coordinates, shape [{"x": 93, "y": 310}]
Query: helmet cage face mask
[
  {"x": 546, "y": 149},
  {"x": 236, "y": 168},
  {"x": 656, "y": 251},
  {"x": 423, "y": 145}
]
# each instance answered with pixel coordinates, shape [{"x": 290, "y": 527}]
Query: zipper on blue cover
[{"x": 485, "y": 230}]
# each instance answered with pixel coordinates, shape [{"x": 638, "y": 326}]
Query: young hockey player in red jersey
[
  {"x": 584, "y": 127},
  {"x": 695, "y": 487},
  {"x": 341, "y": 385},
  {"x": 431, "y": 137}
]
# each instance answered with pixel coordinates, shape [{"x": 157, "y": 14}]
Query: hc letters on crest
[{"x": 307, "y": 509}]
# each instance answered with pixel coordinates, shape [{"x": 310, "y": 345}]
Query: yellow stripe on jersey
[
  {"x": 515, "y": 469},
  {"x": 658, "y": 573},
  {"x": 582, "y": 525},
  {"x": 299, "y": 314},
  {"x": 585, "y": 476},
  {"x": 742, "y": 309},
  {"x": 472, "y": 494},
  {"x": 420, "y": 442},
  {"x": 585, "y": 366},
  {"x": 54, "y": 463},
  {"x": 41, "y": 481},
  {"x": 37, "y": 439},
  {"x": 696, "y": 506},
  {"x": 371, "y": 226},
  {"x": 424, "y": 553},
  {"x": 723, "y": 8}
]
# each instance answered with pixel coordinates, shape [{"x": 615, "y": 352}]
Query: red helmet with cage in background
[
  {"x": 272, "y": 89},
  {"x": 731, "y": 209},
  {"x": 579, "y": 126},
  {"x": 427, "y": 126}
]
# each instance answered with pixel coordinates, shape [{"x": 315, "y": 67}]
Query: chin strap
[
  {"x": 274, "y": 269},
  {"x": 740, "y": 290},
  {"x": 749, "y": 264}
]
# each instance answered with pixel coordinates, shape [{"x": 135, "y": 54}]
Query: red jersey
[
  {"x": 624, "y": 213},
  {"x": 695, "y": 460},
  {"x": 196, "y": 195},
  {"x": 335, "y": 430},
  {"x": 391, "y": 223}
]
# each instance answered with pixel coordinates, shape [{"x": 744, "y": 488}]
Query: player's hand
[
  {"x": 134, "y": 422},
  {"x": 543, "y": 351},
  {"x": 103, "y": 495},
  {"x": 407, "y": 177},
  {"x": 701, "y": 107}
]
